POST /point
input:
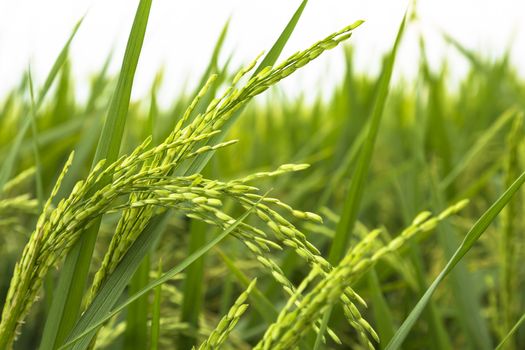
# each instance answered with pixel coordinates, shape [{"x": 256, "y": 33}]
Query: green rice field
[{"x": 385, "y": 214}]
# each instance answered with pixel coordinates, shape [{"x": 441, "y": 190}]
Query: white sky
[{"x": 181, "y": 35}]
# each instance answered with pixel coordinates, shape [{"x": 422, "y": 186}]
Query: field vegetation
[{"x": 386, "y": 215}]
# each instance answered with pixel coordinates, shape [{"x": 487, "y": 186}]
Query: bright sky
[{"x": 181, "y": 35}]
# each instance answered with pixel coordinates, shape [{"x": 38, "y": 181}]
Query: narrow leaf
[
  {"x": 357, "y": 186},
  {"x": 155, "y": 314},
  {"x": 99, "y": 310},
  {"x": 472, "y": 236},
  {"x": 68, "y": 298},
  {"x": 271, "y": 57},
  {"x": 511, "y": 332},
  {"x": 9, "y": 162}
]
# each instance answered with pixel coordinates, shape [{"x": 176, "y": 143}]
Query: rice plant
[{"x": 365, "y": 220}]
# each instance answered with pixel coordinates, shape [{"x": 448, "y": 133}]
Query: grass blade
[
  {"x": 472, "y": 236},
  {"x": 119, "y": 279},
  {"x": 99, "y": 311},
  {"x": 34, "y": 139},
  {"x": 509, "y": 280},
  {"x": 194, "y": 279},
  {"x": 382, "y": 313},
  {"x": 213, "y": 64},
  {"x": 482, "y": 142},
  {"x": 68, "y": 298},
  {"x": 193, "y": 289},
  {"x": 465, "y": 300},
  {"x": 136, "y": 334},
  {"x": 355, "y": 193},
  {"x": 271, "y": 57},
  {"x": 511, "y": 332},
  {"x": 155, "y": 314},
  {"x": 9, "y": 162},
  {"x": 274, "y": 53}
]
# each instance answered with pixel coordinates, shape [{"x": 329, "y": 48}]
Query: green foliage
[{"x": 188, "y": 186}]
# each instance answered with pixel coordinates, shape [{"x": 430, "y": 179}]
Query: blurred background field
[
  {"x": 447, "y": 134},
  {"x": 180, "y": 37}
]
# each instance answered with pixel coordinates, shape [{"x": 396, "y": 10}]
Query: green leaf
[
  {"x": 382, "y": 313},
  {"x": 100, "y": 309},
  {"x": 36, "y": 152},
  {"x": 482, "y": 142},
  {"x": 322, "y": 330},
  {"x": 136, "y": 333},
  {"x": 68, "y": 297},
  {"x": 271, "y": 57},
  {"x": 9, "y": 162},
  {"x": 274, "y": 53},
  {"x": 466, "y": 300},
  {"x": 115, "y": 284},
  {"x": 509, "y": 281},
  {"x": 155, "y": 314},
  {"x": 357, "y": 185},
  {"x": 193, "y": 288},
  {"x": 511, "y": 332},
  {"x": 354, "y": 196},
  {"x": 194, "y": 279},
  {"x": 213, "y": 64},
  {"x": 472, "y": 236}
]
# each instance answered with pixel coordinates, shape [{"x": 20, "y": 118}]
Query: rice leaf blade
[
  {"x": 382, "y": 313},
  {"x": 472, "y": 236},
  {"x": 9, "y": 162},
  {"x": 155, "y": 313},
  {"x": 68, "y": 299},
  {"x": 136, "y": 334},
  {"x": 194, "y": 285},
  {"x": 271, "y": 57},
  {"x": 466, "y": 300},
  {"x": 36, "y": 147},
  {"x": 355, "y": 193},
  {"x": 100, "y": 309},
  {"x": 511, "y": 332},
  {"x": 274, "y": 53}
]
